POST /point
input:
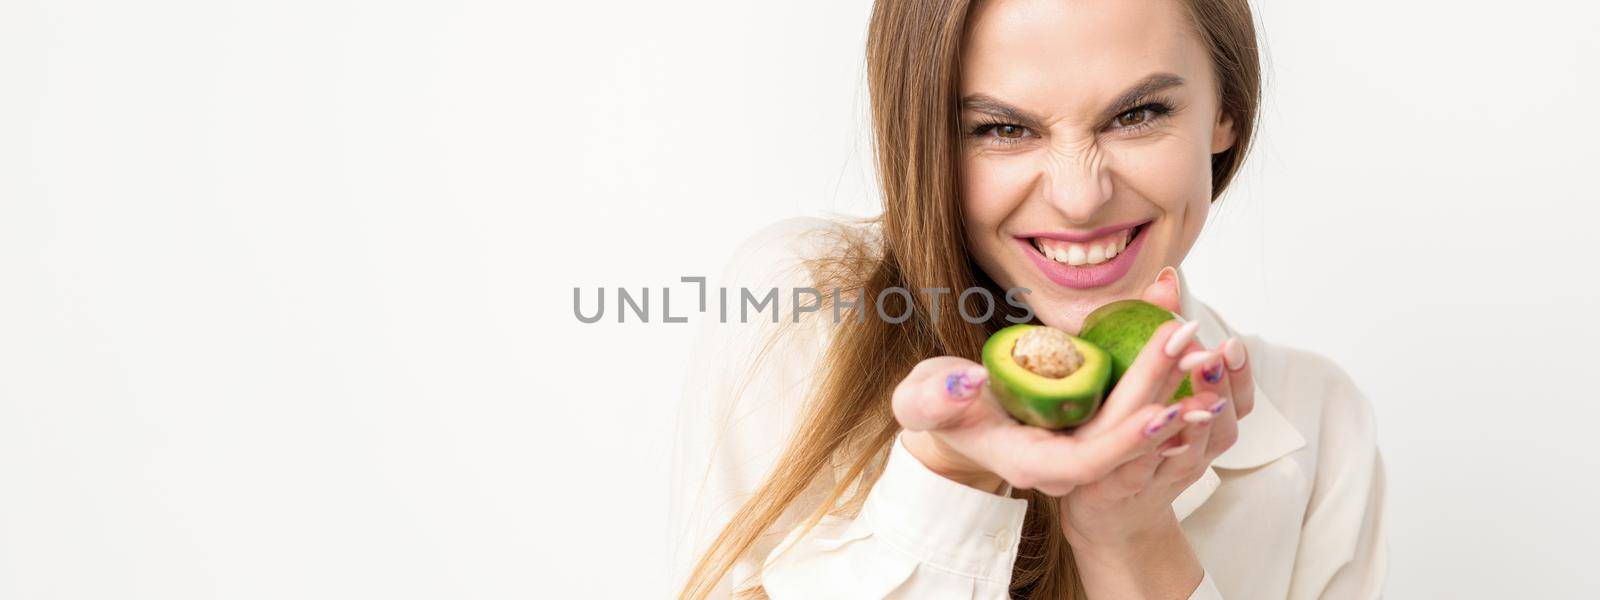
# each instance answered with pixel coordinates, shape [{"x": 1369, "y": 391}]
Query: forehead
[{"x": 1066, "y": 55}]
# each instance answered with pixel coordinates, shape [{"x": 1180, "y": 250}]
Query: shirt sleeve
[
  {"x": 1342, "y": 551},
  {"x": 918, "y": 535}
]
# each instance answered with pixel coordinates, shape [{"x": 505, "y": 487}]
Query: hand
[
  {"x": 956, "y": 428},
  {"x": 1135, "y": 500}
]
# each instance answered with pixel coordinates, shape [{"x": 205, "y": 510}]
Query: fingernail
[
  {"x": 1213, "y": 373},
  {"x": 1167, "y": 274},
  {"x": 1175, "y": 450},
  {"x": 964, "y": 385},
  {"x": 1195, "y": 359},
  {"x": 1180, "y": 339},
  {"x": 1233, "y": 353},
  {"x": 1197, "y": 416},
  {"x": 1161, "y": 420},
  {"x": 1217, "y": 407}
]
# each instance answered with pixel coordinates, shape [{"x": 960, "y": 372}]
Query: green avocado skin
[
  {"x": 1041, "y": 411},
  {"x": 1070, "y": 405},
  {"x": 1122, "y": 328}
]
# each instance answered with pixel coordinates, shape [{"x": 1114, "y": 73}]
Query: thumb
[
  {"x": 1164, "y": 292},
  {"x": 937, "y": 400}
]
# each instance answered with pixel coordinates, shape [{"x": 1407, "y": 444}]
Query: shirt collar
[{"x": 1264, "y": 435}]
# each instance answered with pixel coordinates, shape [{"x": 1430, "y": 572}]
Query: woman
[{"x": 1071, "y": 148}]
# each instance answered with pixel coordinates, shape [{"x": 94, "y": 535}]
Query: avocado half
[
  {"x": 1049, "y": 402},
  {"x": 1122, "y": 328}
]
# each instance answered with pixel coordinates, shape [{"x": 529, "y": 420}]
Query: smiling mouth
[{"x": 1090, "y": 253}]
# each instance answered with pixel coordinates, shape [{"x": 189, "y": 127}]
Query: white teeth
[{"x": 1075, "y": 255}]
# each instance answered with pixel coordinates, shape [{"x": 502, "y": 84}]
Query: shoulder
[{"x": 1315, "y": 394}]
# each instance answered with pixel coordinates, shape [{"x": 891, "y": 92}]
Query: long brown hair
[{"x": 913, "y": 69}]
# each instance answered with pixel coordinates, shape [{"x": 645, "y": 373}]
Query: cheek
[
  {"x": 990, "y": 191},
  {"x": 1175, "y": 175},
  {"x": 1171, "y": 173}
]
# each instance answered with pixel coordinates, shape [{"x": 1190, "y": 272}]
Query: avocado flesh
[
  {"x": 1122, "y": 328},
  {"x": 1052, "y": 403}
]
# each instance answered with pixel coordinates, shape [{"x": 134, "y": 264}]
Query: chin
[{"x": 1068, "y": 314}]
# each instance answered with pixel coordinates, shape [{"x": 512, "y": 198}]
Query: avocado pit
[
  {"x": 1046, "y": 377},
  {"x": 1047, "y": 352}
]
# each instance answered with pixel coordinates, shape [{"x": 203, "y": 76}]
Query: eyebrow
[{"x": 990, "y": 105}]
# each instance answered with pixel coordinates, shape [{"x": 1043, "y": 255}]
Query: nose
[{"x": 1078, "y": 188}]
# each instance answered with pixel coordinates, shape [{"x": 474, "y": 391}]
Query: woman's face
[{"x": 1085, "y": 122}]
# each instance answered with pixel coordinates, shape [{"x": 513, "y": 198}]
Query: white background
[{"x": 286, "y": 287}]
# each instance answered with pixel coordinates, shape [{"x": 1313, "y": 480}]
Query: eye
[
  {"x": 1010, "y": 132},
  {"x": 1133, "y": 117},
  {"x": 1140, "y": 117},
  {"x": 1002, "y": 133}
]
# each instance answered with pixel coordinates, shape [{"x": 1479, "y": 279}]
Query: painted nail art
[
  {"x": 1213, "y": 373},
  {"x": 964, "y": 384},
  {"x": 1175, "y": 450},
  {"x": 1195, "y": 359},
  {"x": 1180, "y": 339},
  {"x": 1217, "y": 407},
  {"x": 1233, "y": 352},
  {"x": 1161, "y": 421}
]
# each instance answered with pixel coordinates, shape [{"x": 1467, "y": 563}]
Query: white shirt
[{"x": 1294, "y": 509}]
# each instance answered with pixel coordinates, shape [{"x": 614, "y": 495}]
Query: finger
[
  {"x": 1153, "y": 375},
  {"x": 1212, "y": 377},
  {"x": 1187, "y": 460},
  {"x": 937, "y": 393},
  {"x": 1138, "y": 435},
  {"x": 1241, "y": 380},
  {"x": 1132, "y": 477},
  {"x": 1052, "y": 462},
  {"x": 1164, "y": 292},
  {"x": 1224, "y": 429}
]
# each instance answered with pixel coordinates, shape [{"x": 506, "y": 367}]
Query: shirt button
[{"x": 1002, "y": 539}]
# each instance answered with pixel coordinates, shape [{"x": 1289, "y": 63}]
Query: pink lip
[
  {"x": 1083, "y": 237},
  {"x": 1088, "y": 276}
]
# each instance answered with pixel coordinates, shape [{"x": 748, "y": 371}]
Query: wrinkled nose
[{"x": 1079, "y": 188}]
